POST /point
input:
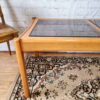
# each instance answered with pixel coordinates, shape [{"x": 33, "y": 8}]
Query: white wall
[{"x": 18, "y": 13}]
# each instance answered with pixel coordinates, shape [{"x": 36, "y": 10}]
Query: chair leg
[{"x": 8, "y": 44}]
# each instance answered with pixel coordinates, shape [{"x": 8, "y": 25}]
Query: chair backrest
[{"x": 1, "y": 16}]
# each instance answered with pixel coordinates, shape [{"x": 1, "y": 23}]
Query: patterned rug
[{"x": 61, "y": 78}]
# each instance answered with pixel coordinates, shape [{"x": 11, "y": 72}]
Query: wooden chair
[{"x": 7, "y": 32}]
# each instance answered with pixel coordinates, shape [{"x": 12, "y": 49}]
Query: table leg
[
  {"x": 22, "y": 69},
  {"x": 37, "y": 54}
]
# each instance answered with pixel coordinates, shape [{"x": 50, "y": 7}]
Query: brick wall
[{"x": 18, "y": 13}]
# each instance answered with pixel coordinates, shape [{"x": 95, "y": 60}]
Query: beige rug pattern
[{"x": 61, "y": 78}]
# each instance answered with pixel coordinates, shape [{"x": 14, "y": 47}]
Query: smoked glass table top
[
  {"x": 65, "y": 28},
  {"x": 96, "y": 22}
]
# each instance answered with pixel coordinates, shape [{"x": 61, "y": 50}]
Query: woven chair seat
[{"x": 7, "y": 33}]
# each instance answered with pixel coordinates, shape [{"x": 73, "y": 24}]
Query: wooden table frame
[{"x": 24, "y": 43}]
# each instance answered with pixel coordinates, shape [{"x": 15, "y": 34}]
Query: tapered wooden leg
[
  {"x": 37, "y": 53},
  {"x": 22, "y": 69},
  {"x": 8, "y": 44}
]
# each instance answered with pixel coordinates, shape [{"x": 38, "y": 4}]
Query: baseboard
[{"x": 13, "y": 52}]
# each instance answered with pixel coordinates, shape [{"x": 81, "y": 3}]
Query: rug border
[{"x": 12, "y": 87}]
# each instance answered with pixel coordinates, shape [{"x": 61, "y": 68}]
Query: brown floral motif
[
  {"x": 73, "y": 77},
  {"x": 62, "y": 85},
  {"x": 89, "y": 71}
]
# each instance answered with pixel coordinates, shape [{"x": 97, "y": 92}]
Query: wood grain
[{"x": 22, "y": 69}]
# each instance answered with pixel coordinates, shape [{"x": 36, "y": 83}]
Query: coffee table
[{"x": 56, "y": 34}]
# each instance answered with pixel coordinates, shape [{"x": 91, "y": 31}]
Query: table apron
[{"x": 61, "y": 46}]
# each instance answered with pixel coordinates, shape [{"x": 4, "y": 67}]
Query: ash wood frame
[{"x": 24, "y": 43}]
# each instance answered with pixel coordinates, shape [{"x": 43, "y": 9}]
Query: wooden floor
[
  {"x": 9, "y": 71},
  {"x": 8, "y": 74}
]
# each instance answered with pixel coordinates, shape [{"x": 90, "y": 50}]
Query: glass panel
[
  {"x": 63, "y": 28},
  {"x": 96, "y": 22}
]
